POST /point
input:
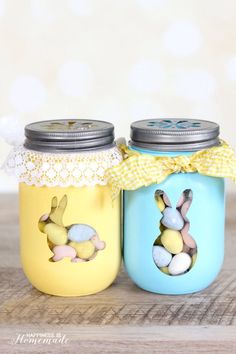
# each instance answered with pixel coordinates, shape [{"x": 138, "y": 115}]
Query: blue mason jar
[{"x": 174, "y": 231}]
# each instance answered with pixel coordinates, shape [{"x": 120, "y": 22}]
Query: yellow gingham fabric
[{"x": 138, "y": 170}]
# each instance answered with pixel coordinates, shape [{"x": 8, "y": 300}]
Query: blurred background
[{"x": 118, "y": 61}]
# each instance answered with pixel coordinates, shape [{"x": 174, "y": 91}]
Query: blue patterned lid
[{"x": 174, "y": 134}]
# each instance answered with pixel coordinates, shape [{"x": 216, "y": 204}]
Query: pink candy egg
[
  {"x": 63, "y": 251},
  {"x": 188, "y": 240}
]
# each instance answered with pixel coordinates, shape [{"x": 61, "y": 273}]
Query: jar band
[
  {"x": 48, "y": 169},
  {"x": 139, "y": 170}
]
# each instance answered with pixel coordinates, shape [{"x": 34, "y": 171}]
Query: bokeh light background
[{"x": 118, "y": 61}]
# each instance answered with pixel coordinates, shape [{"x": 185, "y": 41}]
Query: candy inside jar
[
  {"x": 174, "y": 250},
  {"x": 79, "y": 242}
]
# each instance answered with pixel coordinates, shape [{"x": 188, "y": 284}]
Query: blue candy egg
[
  {"x": 172, "y": 219},
  {"x": 161, "y": 256},
  {"x": 81, "y": 233}
]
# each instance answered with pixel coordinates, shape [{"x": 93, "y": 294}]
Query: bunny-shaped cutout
[
  {"x": 174, "y": 250},
  {"x": 80, "y": 242}
]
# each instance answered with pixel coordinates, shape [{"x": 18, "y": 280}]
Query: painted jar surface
[
  {"x": 174, "y": 231},
  {"x": 70, "y": 228}
]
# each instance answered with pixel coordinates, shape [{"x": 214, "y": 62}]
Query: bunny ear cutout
[
  {"x": 162, "y": 200},
  {"x": 185, "y": 202},
  {"x": 57, "y": 215},
  {"x": 53, "y": 204},
  {"x": 63, "y": 203}
]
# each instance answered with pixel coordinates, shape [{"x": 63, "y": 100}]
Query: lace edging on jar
[{"x": 70, "y": 169}]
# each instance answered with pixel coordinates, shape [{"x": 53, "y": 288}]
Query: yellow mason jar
[{"x": 69, "y": 225}]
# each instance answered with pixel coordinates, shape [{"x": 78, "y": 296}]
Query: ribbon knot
[{"x": 182, "y": 164}]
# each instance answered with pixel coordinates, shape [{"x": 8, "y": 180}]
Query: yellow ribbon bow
[{"x": 138, "y": 170}]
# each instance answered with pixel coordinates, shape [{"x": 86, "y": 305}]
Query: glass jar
[
  {"x": 70, "y": 228},
  {"x": 174, "y": 230}
]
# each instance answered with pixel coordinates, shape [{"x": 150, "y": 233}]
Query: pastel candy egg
[
  {"x": 165, "y": 270},
  {"x": 63, "y": 251},
  {"x": 172, "y": 241},
  {"x": 56, "y": 234},
  {"x": 161, "y": 256},
  {"x": 42, "y": 222},
  {"x": 188, "y": 240},
  {"x": 84, "y": 250},
  {"x": 184, "y": 209},
  {"x": 172, "y": 219},
  {"x": 160, "y": 203},
  {"x": 93, "y": 256},
  {"x": 98, "y": 244},
  {"x": 81, "y": 233},
  {"x": 180, "y": 263}
]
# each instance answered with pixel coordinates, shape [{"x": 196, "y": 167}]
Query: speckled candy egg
[
  {"x": 165, "y": 270},
  {"x": 84, "y": 250},
  {"x": 56, "y": 234},
  {"x": 81, "y": 233},
  {"x": 161, "y": 256},
  {"x": 172, "y": 219},
  {"x": 172, "y": 241},
  {"x": 180, "y": 263},
  {"x": 63, "y": 251}
]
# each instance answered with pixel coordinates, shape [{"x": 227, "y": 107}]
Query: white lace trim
[{"x": 74, "y": 169}]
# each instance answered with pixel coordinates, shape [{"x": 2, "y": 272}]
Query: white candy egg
[{"x": 180, "y": 263}]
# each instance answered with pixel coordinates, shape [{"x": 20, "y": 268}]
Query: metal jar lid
[
  {"x": 172, "y": 134},
  {"x": 69, "y": 135}
]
